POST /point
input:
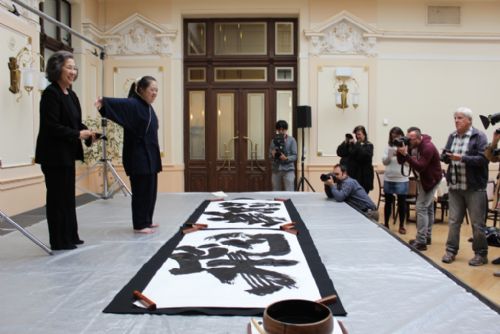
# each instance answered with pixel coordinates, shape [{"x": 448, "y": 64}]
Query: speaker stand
[{"x": 303, "y": 179}]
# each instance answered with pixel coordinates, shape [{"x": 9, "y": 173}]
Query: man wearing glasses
[{"x": 342, "y": 188}]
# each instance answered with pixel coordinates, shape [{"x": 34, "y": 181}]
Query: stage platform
[{"x": 384, "y": 285}]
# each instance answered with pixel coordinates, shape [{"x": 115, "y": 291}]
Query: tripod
[
  {"x": 118, "y": 184},
  {"x": 4, "y": 217},
  {"x": 300, "y": 184}
]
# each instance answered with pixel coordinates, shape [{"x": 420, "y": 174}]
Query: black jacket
[
  {"x": 58, "y": 142},
  {"x": 357, "y": 158}
]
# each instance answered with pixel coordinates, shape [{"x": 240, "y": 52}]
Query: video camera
[
  {"x": 325, "y": 177},
  {"x": 279, "y": 143},
  {"x": 401, "y": 141}
]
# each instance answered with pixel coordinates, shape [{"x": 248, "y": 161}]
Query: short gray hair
[{"x": 464, "y": 111}]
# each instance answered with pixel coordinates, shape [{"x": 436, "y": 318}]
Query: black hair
[
  {"x": 281, "y": 124},
  {"x": 396, "y": 130},
  {"x": 55, "y": 65},
  {"x": 138, "y": 86},
  {"x": 362, "y": 129},
  {"x": 415, "y": 129}
]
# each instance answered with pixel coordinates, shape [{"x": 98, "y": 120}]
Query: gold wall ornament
[
  {"x": 341, "y": 99},
  {"x": 22, "y": 71},
  {"x": 343, "y": 75},
  {"x": 15, "y": 75}
]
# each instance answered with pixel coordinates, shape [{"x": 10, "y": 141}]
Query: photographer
[
  {"x": 342, "y": 188},
  {"x": 424, "y": 160},
  {"x": 395, "y": 178},
  {"x": 283, "y": 152},
  {"x": 491, "y": 152},
  {"x": 467, "y": 177},
  {"x": 357, "y": 156}
]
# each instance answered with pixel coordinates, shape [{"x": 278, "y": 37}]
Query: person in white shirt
[{"x": 395, "y": 179}]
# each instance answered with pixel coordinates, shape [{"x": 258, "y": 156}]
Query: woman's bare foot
[
  {"x": 145, "y": 230},
  {"x": 154, "y": 225}
]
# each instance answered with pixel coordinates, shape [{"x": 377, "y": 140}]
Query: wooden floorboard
[{"x": 480, "y": 278}]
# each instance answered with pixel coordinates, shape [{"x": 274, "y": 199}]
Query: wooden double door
[{"x": 228, "y": 143}]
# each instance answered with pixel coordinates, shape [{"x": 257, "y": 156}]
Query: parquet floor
[{"x": 480, "y": 278}]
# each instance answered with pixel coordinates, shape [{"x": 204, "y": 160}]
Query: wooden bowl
[{"x": 298, "y": 316}]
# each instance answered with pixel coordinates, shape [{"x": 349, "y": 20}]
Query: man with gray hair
[{"x": 467, "y": 177}]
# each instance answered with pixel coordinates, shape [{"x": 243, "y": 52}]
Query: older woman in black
[
  {"x": 141, "y": 151},
  {"x": 58, "y": 146}
]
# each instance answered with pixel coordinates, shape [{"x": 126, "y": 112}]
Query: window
[{"x": 52, "y": 37}]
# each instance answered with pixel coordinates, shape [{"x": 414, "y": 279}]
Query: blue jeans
[
  {"x": 283, "y": 180},
  {"x": 425, "y": 213},
  {"x": 475, "y": 201}
]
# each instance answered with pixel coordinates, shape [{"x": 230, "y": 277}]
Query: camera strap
[
  {"x": 456, "y": 175},
  {"x": 403, "y": 170}
]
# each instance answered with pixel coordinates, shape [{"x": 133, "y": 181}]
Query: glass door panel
[
  {"x": 225, "y": 126},
  {"x": 197, "y": 125},
  {"x": 284, "y": 106},
  {"x": 256, "y": 126}
]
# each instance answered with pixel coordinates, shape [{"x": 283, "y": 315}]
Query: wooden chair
[{"x": 411, "y": 198}]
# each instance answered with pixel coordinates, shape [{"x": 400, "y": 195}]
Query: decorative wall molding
[
  {"x": 342, "y": 34},
  {"x": 136, "y": 35},
  {"x": 346, "y": 34}
]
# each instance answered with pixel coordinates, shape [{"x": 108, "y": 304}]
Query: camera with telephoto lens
[
  {"x": 325, "y": 177},
  {"x": 444, "y": 157},
  {"x": 279, "y": 145},
  {"x": 401, "y": 141}
]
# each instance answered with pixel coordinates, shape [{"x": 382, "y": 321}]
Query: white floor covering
[{"x": 385, "y": 286}]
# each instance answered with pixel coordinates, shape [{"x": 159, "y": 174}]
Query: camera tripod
[
  {"x": 300, "y": 184},
  {"x": 108, "y": 189},
  {"x": 4, "y": 217}
]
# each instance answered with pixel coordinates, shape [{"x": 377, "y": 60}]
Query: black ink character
[
  {"x": 226, "y": 265},
  {"x": 252, "y": 214}
]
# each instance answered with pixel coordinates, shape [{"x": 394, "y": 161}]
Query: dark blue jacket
[
  {"x": 141, "y": 151},
  {"x": 476, "y": 164}
]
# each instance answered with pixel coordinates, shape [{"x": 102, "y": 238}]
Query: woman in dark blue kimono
[{"x": 141, "y": 151}]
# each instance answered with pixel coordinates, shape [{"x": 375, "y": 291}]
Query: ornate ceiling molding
[
  {"x": 134, "y": 36},
  {"x": 342, "y": 34}
]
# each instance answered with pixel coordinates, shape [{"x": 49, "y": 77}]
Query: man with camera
[
  {"x": 283, "y": 152},
  {"x": 467, "y": 177},
  {"x": 492, "y": 153},
  {"x": 342, "y": 188},
  {"x": 424, "y": 160}
]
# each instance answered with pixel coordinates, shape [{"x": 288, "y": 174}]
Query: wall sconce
[
  {"x": 342, "y": 76},
  {"x": 22, "y": 72}
]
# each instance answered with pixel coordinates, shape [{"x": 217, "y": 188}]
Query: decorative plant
[{"x": 114, "y": 135}]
